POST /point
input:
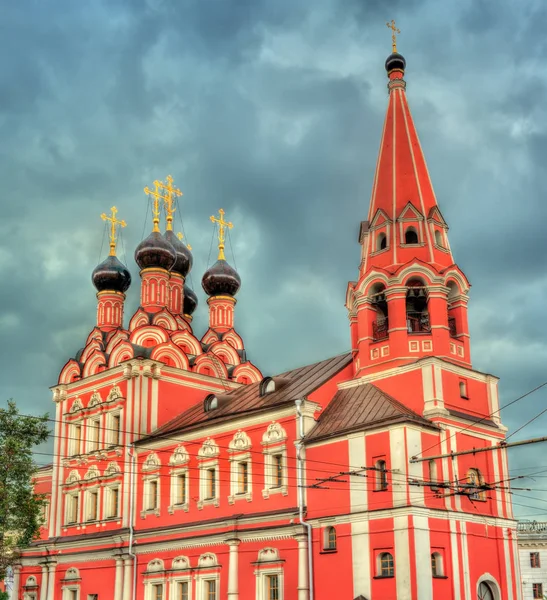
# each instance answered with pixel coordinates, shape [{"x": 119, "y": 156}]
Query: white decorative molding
[
  {"x": 113, "y": 468},
  {"x": 92, "y": 473},
  {"x": 180, "y": 562},
  {"x": 155, "y": 565},
  {"x": 179, "y": 457},
  {"x": 72, "y": 573},
  {"x": 207, "y": 560},
  {"x": 152, "y": 462},
  {"x": 114, "y": 394},
  {"x": 268, "y": 555},
  {"x": 209, "y": 449},
  {"x": 274, "y": 434},
  {"x": 95, "y": 399},
  {"x": 240, "y": 442},
  {"x": 76, "y": 405},
  {"x": 73, "y": 477}
]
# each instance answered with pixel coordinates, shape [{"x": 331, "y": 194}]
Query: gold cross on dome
[
  {"x": 113, "y": 222},
  {"x": 222, "y": 224},
  {"x": 171, "y": 192},
  {"x": 156, "y": 203},
  {"x": 394, "y": 34},
  {"x": 180, "y": 236}
]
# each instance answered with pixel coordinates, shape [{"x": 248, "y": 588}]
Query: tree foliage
[{"x": 21, "y": 509}]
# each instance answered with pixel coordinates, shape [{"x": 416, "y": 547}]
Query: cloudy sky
[{"x": 273, "y": 111}]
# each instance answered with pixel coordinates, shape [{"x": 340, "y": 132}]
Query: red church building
[{"x": 182, "y": 472}]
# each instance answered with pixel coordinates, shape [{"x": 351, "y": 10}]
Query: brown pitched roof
[
  {"x": 361, "y": 407},
  {"x": 246, "y": 399}
]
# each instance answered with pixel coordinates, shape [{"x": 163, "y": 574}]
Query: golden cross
[
  {"x": 156, "y": 206},
  {"x": 113, "y": 222},
  {"x": 180, "y": 236},
  {"x": 394, "y": 34},
  {"x": 222, "y": 224},
  {"x": 171, "y": 192}
]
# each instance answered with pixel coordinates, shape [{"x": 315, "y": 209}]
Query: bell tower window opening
[
  {"x": 381, "y": 475},
  {"x": 417, "y": 315},
  {"x": 411, "y": 236},
  {"x": 463, "y": 389},
  {"x": 381, "y": 242},
  {"x": 380, "y": 326},
  {"x": 439, "y": 238},
  {"x": 475, "y": 485}
]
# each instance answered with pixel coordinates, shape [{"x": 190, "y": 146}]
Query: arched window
[
  {"x": 381, "y": 475},
  {"x": 411, "y": 236},
  {"x": 439, "y": 238},
  {"x": 485, "y": 591},
  {"x": 210, "y": 403},
  {"x": 437, "y": 565},
  {"x": 475, "y": 482},
  {"x": 433, "y": 476},
  {"x": 381, "y": 242},
  {"x": 417, "y": 315},
  {"x": 463, "y": 389},
  {"x": 329, "y": 541},
  {"x": 385, "y": 565},
  {"x": 267, "y": 386},
  {"x": 380, "y": 326}
]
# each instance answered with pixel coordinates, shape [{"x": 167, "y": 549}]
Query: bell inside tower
[{"x": 417, "y": 314}]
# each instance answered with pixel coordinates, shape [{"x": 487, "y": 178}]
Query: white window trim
[
  {"x": 149, "y": 588},
  {"x": 96, "y": 490},
  {"x": 261, "y": 582},
  {"x": 203, "y": 500},
  {"x": 109, "y": 433},
  {"x": 200, "y": 585},
  {"x": 234, "y": 478},
  {"x": 75, "y": 446},
  {"x": 173, "y": 506},
  {"x": 173, "y": 585},
  {"x": 147, "y": 479},
  {"x": 269, "y": 472},
  {"x": 70, "y": 587},
  {"x": 69, "y": 498},
  {"x": 94, "y": 419},
  {"x": 106, "y": 500}
]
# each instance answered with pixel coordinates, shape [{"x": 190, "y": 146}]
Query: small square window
[{"x": 534, "y": 560}]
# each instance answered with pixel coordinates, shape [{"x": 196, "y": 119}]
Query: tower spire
[
  {"x": 113, "y": 223},
  {"x": 394, "y": 33},
  {"x": 222, "y": 224},
  {"x": 171, "y": 193}
]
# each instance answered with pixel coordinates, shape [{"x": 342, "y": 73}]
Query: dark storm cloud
[{"x": 272, "y": 110}]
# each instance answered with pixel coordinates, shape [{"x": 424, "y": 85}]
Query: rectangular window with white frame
[
  {"x": 179, "y": 490},
  {"x": 114, "y": 433},
  {"x": 151, "y": 496},
  {"x": 71, "y": 593},
  {"x": 180, "y": 589},
  {"x": 112, "y": 501},
  {"x": 75, "y": 439},
  {"x": 240, "y": 477},
  {"x": 275, "y": 471},
  {"x": 72, "y": 508},
  {"x": 269, "y": 584},
  {"x": 208, "y": 484},
  {"x": 91, "y": 506},
  {"x": 93, "y": 433}
]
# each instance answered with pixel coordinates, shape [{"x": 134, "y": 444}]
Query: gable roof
[
  {"x": 362, "y": 407},
  {"x": 247, "y": 399}
]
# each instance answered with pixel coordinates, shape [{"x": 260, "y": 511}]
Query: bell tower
[{"x": 410, "y": 298}]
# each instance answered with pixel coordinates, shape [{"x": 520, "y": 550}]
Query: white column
[
  {"x": 16, "y": 582},
  {"x": 233, "y": 571},
  {"x": 303, "y": 588},
  {"x": 51, "y": 580},
  {"x": 118, "y": 584},
  {"x": 127, "y": 578},
  {"x": 43, "y": 583}
]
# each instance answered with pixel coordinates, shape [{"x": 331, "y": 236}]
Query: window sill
[
  {"x": 150, "y": 511},
  {"x": 328, "y": 551},
  {"x": 267, "y": 492},
  {"x": 440, "y": 576},
  {"x": 380, "y": 491},
  {"x": 208, "y": 502},
  {"x": 245, "y": 496},
  {"x": 384, "y": 577},
  {"x": 174, "y": 507}
]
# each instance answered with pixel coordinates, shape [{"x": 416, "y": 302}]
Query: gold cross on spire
[
  {"x": 113, "y": 222},
  {"x": 394, "y": 34},
  {"x": 171, "y": 192},
  {"x": 180, "y": 236},
  {"x": 222, "y": 224},
  {"x": 156, "y": 203}
]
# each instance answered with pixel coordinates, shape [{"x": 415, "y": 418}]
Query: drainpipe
[
  {"x": 300, "y": 479},
  {"x": 132, "y": 467}
]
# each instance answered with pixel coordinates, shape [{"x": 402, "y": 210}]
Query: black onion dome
[
  {"x": 395, "y": 61},
  {"x": 155, "y": 251},
  {"x": 111, "y": 275},
  {"x": 184, "y": 260},
  {"x": 190, "y": 301},
  {"x": 221, "y": 280}
]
